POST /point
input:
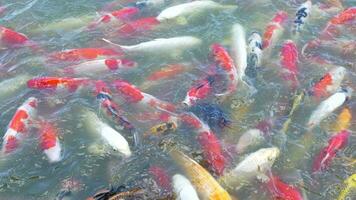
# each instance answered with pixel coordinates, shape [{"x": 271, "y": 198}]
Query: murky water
[{"x": 91, "y": 165}]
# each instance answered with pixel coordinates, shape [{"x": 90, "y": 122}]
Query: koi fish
[
  {"x": 162, "y": 128},
  {"x": 150, "y": 3},
  {"x": 328, "y": 106},
  {"x": 250, "y": 138},
  {"x": 49, "y": 141},
  {"x": 115, "y": 18},
  {"x": 239, "y": 50},
  {"x": 200, "y": 90},
  {"x": 205, "y": 184},
  {"x": 103, "y": 94},
  {"x": 254, "y": 54},
  {"x": 212, "y": 114},
  {"x": 94, "y": 125},
  {"x": 210, "y": 144},
  {"x": 19, "y": 125},
  {"x": 55, "y": 83},
  {"x": 274, "y": 30},
  {"x": 289, "y": 60},
  {"x": 138, "y": 26},
  {"x": 134, "y": 95},
  {"x": 161, "y": 46},
  {"x": 12, "y": 39},
  {"x": 161, "y": 177},
  {"x": 191, "y": 9},
  {"x": 282, "y": 190},
  {"x": 329, "y": 83},
  {"x": 74, "y": 55},
  {"x": 349, "y": 183},
  {"x": 297, "y": 100},
  {"x": 337, "y": 142},
  {"x": 343, "y": 121},
  {"x": 95, "y": 67},
  {"x": 183, "y": 188},
  {"x": 302, "y": 16},
  {"x": 167, "y": 72},
  {"x": 223, "y": 60},
  {"x": 255, "y": 165},
  {"x": 348, "y": 15}
]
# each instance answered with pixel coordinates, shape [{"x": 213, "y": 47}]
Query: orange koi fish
[
  {"x": 329, "y": 83},
  {"x": 12, "y": 39},
  {"x": 224, "y": 60},
  {"x": 19, "y": 125},
  {"x": 74, "y": 55},
  {"x": 281, "y": 190},
  {"x": 343, "y": 121},
  {"x": 199, "y": 91},
  {"x": 274, "y": 30}
]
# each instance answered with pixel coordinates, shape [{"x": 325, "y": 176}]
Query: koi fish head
[
  {"x": 200, "y": 91},
  {"x": 130, "y": 92},
  {"x": 280, "y": 17}
]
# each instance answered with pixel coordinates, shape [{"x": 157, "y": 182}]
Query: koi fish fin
[{"x": 120, "y": 47}]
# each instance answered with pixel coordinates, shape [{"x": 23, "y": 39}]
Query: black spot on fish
[{"x": 212, "y": 114}]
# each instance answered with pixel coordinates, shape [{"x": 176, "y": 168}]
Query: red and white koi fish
[
  {"x": 183, "y": 188},
  {"x": 12, "y": 39},
  {"x": 327, "y": 154},
  {"x": 115, "y": 18},
  {"x": 138, "y": 26},
  {"x": 329, "y": 83},
  {"x": 274, "y": 30},
  {"x": 74, "y": 55},
  {"x": 328, "y": 106},
  {"x": 210, "y": 144},
  {"x": 57, "y": 83},
  {"x": 239, "y": 49},
  {"x": 133, "y": 95},
  {"x": 95, "y": 67},
  {"x": 289, "y": 61},
  {"x": 302, "y": 16},
  {"x": 19, "y": 125},
  {"x": 199, "y": 90},
  {"x": 161, "y": 177},
  {"x": 103, "y": 94},
  {"x": 226, "y": 63},
  {"x": 282, "y": 190},
  {"x": 49, "y": 141}
]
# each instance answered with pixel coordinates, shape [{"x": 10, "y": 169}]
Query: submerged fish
[
  {"x": 326, "y": 107},
  {"x": 19, "y": 125},
  {"x": 289, "y": 63},
  {"x": 239, "y": 50},
  {"x": 254, "y": 54},
  {"x": 329, "y": 83},
  {"x": 12, "y": 39},
  {"x": 49, "y": 141},
  {"x": 337, "y": 142},
  {"x": 191, "y": 9},
  {"x": 183, "y": 188},
  {"x": 343, "y": 121},
  {"x": 205, "y": 184},
  {"x": 161, "y": 46},
  {"x": 251, "y": 138},
  {"x": 281, "y": 190},
  {"x": 274, "y": 30},
  {"x": 200, "y": 90},
  {"x": 75, "y": 55},
  {"x": 302, "y": 16},
  {"x": 11, "y": 87},
  {"x": 110, "y": 135},
  {"x": 255, "y": 165},
  {"x": 57, "y": 83}
]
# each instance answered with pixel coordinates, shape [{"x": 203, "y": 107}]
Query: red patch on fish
[
  {"x": 130, "y": 92},
  {"x": 112, "y": 64},
  {"x": 126, "y": 13},
  {"x": 319, "y": 89},
  {"x": 191, "y": 120},
  {"x": 212, "y": 151},
  {"x": 138, "y": 26},
  {"x": 222, "y": 57},
  {"x": 18, "y": 121},
  {"x": 71, "y": 84},
  {"x": 82, "y": 54},
  {"x": 289, "y": 60},
  {"x": 11, "y": 144},
  {"x": 168, "y": 72},
  {"x": 48, "y": 136},
  {"x": 161, "y": 177},
  {"x": 276, "y": 23},
  {"x": 281, "y": 190},
  {"x": 327, "y": 154}
]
